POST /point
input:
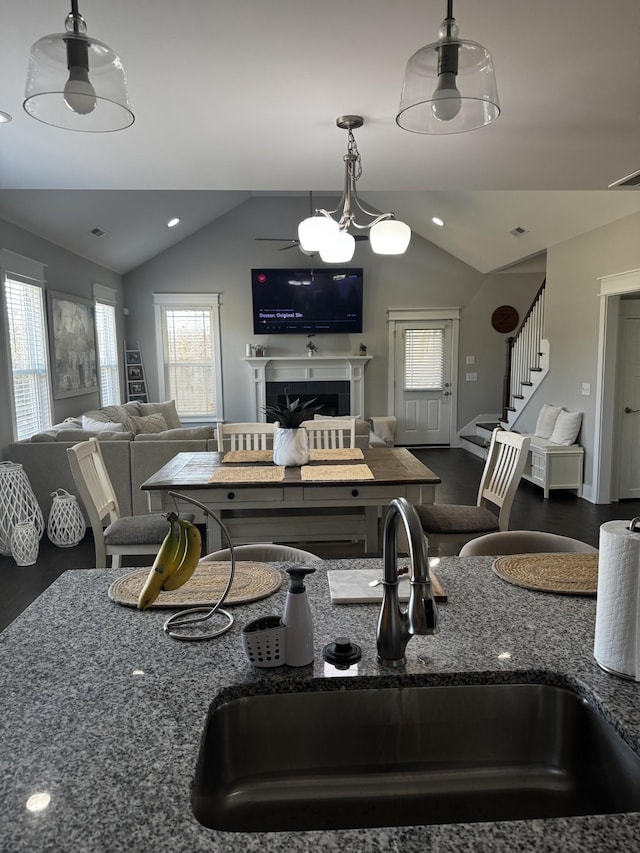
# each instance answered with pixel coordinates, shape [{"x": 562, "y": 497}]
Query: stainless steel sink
[{"x": 329, "y": 758}]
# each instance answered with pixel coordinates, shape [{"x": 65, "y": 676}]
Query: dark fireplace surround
[{"x": 334, "y": 396}]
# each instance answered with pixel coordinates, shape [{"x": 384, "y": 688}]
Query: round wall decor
[{"x": 504, "y": 319}]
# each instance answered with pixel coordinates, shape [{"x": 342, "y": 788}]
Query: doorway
[
  {"x": 423, "y": 347},
  {"x": 609, "y": 405},
  {"x": 628, "y": 400}
]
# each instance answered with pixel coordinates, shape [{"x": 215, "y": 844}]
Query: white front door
[
  {"x": 422, "y": 381},
  {"x": 629, "y": 417}
]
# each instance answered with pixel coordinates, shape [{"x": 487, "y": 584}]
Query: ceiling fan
[{"x": 294, "y": 242}]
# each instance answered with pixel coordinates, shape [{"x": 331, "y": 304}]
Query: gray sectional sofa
[
  {"x": 131, "y": 452},
  {"x": 136, "y": 440}
]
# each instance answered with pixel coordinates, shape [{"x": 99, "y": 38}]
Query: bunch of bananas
[{"x": 175, "y": 562}]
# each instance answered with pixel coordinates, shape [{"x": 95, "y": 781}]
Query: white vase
[
  {"x": 66, "y": 525},
  {"x": 291, "y": 447}
]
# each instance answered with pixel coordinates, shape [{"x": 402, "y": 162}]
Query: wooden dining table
[{"x": 337, "y": 496}]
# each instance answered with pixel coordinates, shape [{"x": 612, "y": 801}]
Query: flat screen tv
[{"x": 306, "y": 301}]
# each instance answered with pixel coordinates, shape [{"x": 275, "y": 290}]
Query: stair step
[
  {"x": 530, "y": 384},
  {"x": 518, "y": 397},
  {"x": 536, "y": 369},
  {"x": 488, "y": 426},
  {"x": 475, "y": 439}
]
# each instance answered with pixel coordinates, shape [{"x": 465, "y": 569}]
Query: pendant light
[
  {"x": 76, "y": 82},
  {"x": 330, "y": 237},
  {"x": 449, "y": 86}
]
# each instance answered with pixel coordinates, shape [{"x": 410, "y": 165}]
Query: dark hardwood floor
[{"x": 459, "y": 470}]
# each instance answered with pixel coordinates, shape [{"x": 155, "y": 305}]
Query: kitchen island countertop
[{"x": 104, "y": 712}]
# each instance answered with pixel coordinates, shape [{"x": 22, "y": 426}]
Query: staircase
[{"x": 527, "y": 364}]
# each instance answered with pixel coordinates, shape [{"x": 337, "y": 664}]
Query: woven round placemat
[
  {"x": 569, "y": 574},
  {"x": 251, "y": 582}
]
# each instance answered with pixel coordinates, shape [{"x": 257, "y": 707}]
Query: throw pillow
[
  {"x": 166, "y": 409},
  {"x": 147, "y": 424},
  {"x": 566, "y": 428},
  {"x": 91, "y": 425},
  {"x": 547, "y": 420}
]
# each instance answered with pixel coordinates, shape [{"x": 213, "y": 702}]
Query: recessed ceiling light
[
  {"x": 173, "y": 222},
  {"x": 5, "y": 118},
  {"x": 437, "y": 221}
]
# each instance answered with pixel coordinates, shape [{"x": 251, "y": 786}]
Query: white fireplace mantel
[{"x": 318, "y": 368}]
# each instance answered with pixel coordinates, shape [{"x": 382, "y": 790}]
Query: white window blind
[
  {"x": 423, "y": 359},
  {"x": 106, "y": 338},
  {"x": 190, "y": 356},
  {"x": 29, "y": 364}
]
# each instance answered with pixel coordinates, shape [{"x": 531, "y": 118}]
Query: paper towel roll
[{"x": 617, "y": 638}]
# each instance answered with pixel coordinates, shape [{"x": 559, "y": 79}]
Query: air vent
[
  {"x": 98, "y": 232},
  {"x": 632, "y": 180},
  {"x": 517, "y": 231}
]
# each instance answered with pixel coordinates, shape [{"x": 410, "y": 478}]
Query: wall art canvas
[{"x": 72, "y": 338}]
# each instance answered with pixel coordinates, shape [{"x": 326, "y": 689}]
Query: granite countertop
[{"x": 104, "y": 712}]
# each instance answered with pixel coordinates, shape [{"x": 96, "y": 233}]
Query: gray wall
[
  {"x": 65, "y": 273},
  {"x": 220, "y": 256},
  {"x": 572, "y": 319}
]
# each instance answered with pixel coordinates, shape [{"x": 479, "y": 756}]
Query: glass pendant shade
[
  {"x": 437, "y": 100},
  {"x": 314, "y": 230},
  {"x": 338, "y": 249},
  {"x": 77, "y": 83},
  {"x": 389, "y": 237}
]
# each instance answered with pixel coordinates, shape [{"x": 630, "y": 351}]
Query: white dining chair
[
  {"x": 245, "y": 436},
  {"x": 332, "y": 433},
  {"x": 130, "y": 534},
  {"x": 457, "y": 523}
]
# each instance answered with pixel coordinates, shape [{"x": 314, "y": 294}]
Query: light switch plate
[
  {"x": 471, "y": 359},
  {"x": 471, "y": 377},
  {"x": 586, "y": 389}
]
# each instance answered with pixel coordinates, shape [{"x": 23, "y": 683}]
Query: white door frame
[
  {"x": 425, "y": 315},
  {"x": 611, "y": 288}
]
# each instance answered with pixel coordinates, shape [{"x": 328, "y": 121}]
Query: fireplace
[
  {"x": 334, "y": 397},
  {"x": 337, "y": 382}
]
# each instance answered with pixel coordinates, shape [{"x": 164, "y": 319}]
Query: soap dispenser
[{"x": 297, "y": 619}]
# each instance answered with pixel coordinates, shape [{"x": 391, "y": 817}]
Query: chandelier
[
  {"x": 449, "y": 86},
  {"x": 76, "y": 82},
  {"x": 330, "y": 236}
]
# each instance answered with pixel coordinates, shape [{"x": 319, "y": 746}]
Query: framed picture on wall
[
  {"x": 136, "y": 388},
  {"x": 72, "y": 343},
  {"x": 133, "y": 356}
]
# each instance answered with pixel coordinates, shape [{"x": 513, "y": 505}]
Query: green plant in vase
[{"x": 290, "y": 443}]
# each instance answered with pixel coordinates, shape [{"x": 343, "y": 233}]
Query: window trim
[{"x": 210, "y": 302}]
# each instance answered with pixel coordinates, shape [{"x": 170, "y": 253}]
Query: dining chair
[
  {"x": 455, "y": 523},
  {"x": 245, "y": 436},
  {"x": 332, "y": 433},
  {"x": 524, "y": 542},
  {"x": 133, "y": 534},
  {"x": 266, "y": 551}
]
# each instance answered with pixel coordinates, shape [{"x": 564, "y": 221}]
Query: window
[
  {"x": 107, "y": 341},
  {"x": 23, "y": 286},
  {"x": 189, "y": 362},
  {"x": 423, "y": 359}
]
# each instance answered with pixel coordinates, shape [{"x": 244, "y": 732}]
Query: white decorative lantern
[
  {"x": 17, "y": 503},
  {"x": 66, "y": 525},
  {"x": 25, "y": 543}
]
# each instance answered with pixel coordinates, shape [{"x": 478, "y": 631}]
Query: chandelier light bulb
[
  {"x": 338, "y": 248},
  {"x": 389, "y": 237},
  {"x": 79, "y": 95},
  {"x": 446, "y": 103},
  {"x": 314, "y": 230}
]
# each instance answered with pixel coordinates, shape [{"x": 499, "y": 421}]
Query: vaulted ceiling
[{"x": 239, "y": 97}]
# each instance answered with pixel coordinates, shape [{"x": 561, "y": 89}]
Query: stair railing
[{"x": 523, "y": 353}]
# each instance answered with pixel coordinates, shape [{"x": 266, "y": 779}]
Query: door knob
[{"x": 629, "y": 411}]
